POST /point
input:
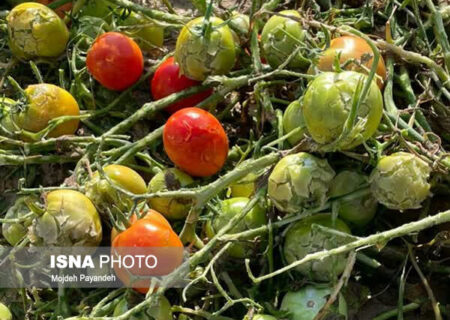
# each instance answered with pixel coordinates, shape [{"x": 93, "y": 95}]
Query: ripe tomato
[
  {"x": 115, "y": 61},
  {"x": 149, "y": 233},
  {"x": 167, "y": 80},
  {"x": 351, "y": 48},
  {"x": 196, "y": 142}
]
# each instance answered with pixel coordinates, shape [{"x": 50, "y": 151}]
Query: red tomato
[
  {"x": 196, "y": 142},
  {"x": 149, "y": 235},
  {"x": 167, "y": 80},
  {"x": 115, "y": 61}
]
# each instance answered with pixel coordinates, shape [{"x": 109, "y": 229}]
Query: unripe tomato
[
  {"x": 105, "y": 196},
  {"x": 306, "y": 303},
  {"x": 327, "y": 104},
  {"x": 115, "y": 61},
  {"x": 400, "y": 181},
  {"x": 244, "y": 187},
  {"x": 196, "y": 142},
  {"x": 45, "y": 102},
  {"x": 239, "y": 24},
  {"x": 170, "y": 180},
  {"x": 5, "y": 314},
  {"x": 255, "y": 218},
  {"x": 351, "y": 48},
  {"x": 280, "y": 37},
  {"x": 36, "y": 31},
  {"x": 300, "y": 240},
  {"x": 149, "y": 232},
  {"x": 293, "y": 119},
  {"x": 70, "y": 219},
  {"x": 200, "y": 55},
  {"x": 160, "y": 311},
  {"x": 356, "y": 212},
  {"x": 167, "y": 80},
  {"x": 15, "y": 232}
]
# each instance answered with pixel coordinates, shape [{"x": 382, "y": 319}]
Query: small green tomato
[
  {"x": 170, "y": 180},
  {"x": 306, "y": 303},
  {"x": 15, "y": 232},
  {"x": 201, "y": 53},
  {"x": 36, "y": 31},
  {"x": 244, "y": 187},
  {"x": 145, "y": 32},
  {"x": 5, "y": 314},
  {"x": 359, "y": 211},
  {"x": 301, "y": 240},
  {"x": 160, "y": 311},
  {"x": 280, "y": 37},
  {"x": 327, "y": 104},
  {"x": 239, "y": 24},
  {"x": 299, "y": 181},
  {"x": 400, "y": 181},
  {"x": 228, "y": 209},
  {"x": 293, "y": 119}
]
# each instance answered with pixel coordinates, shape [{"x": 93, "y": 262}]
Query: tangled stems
[{"x": 372, "y": 240}]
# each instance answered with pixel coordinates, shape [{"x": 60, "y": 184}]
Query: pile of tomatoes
[{"x": 252, "y": 145}]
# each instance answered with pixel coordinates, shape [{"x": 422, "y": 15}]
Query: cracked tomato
[
  {"x": 150, "y": 235},
  {"x": 115, "y": 61},
  {"x": 196, "y": 142},
  {"x": 167, "y": 80},
  {"x": 36, "y": 31}
]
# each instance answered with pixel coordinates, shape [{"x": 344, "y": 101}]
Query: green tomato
[
  {"x": 280, "y": 37},
  {"x": 306, "y": 303},
  {"x": 103, "y": 194},
  {"x": 260, "y": 317},
  {"x": 70, "y": 219},
  {"x": 200, "y": 55},
  {"x": 228, "y": 209},
  {"x": 327, "y": 103},
  {"x": 14, "y": 232},
  {"x": 98, "y": 8},
  {"x": 293, "y": 119},
  {"x": 239, "y": 24},
  {"x": 301, "y": 240},
  {"x": 299, "y": 181},
  {"x": 5, "y": 314},
  {"x": 357, "y": 212},
  {"x": 244, "y": 187},
  {"x": 36, "y": 31},
  {"x": 170, "y": 180},
  {"x": 400, "y": 181}
]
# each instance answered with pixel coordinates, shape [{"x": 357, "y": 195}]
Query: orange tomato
[
  {"x": 196, "y": 142},
  {"x": 149, "y": 235},
  {"x": 115, "y": 61},
  {"x": 351, "y": 47}
]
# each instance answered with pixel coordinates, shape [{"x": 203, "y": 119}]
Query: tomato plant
[
  {"x": 348, "y": 48},
  {"x": 201, "y": 53},
  {"x": 36, "y": 31},
  {"x": 149, "y": 232},
  {"x": 228, "y": 208},
  {"x": 46, "y": 102},
  {"x": 115, "y": 61},
  {"x": 168, "y": 79},
  {"x": 196, "y": 142}
]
